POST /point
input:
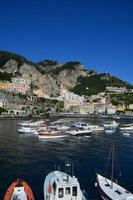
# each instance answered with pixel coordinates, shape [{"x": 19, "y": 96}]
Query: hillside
[{"x": 51, "y": 76}]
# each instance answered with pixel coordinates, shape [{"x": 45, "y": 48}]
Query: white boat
[
  {"x": 60, "y": 185},
  {"x": 112, "y": 124},
  {"x": 126, "y": 127},
  {"x": 110, "y": 190},
  {"x": 126, "y": 134},
  {"x": 32, "y": 123},
  {"x": 50, "y": 134},
  {"x": 87, "y": 126},
  {"x": 79, "y": 132},
  {"x": 27, "y": 130},
  {"x": 110, "y": 130}
]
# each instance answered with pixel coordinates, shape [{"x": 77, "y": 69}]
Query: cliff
[{"x": 51, "y": 76}]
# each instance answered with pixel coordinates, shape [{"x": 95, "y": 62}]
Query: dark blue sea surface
[{"x": 32, "y": 159}]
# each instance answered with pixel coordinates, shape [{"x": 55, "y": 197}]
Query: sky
[{"x": 98, "y": 33}]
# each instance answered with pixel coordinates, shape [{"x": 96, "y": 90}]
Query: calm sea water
[{"x": 31, "y": 159}]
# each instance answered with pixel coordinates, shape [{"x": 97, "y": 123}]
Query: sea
[{"x": 27, "y": 157}]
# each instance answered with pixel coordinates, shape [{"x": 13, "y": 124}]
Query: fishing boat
[
  {"x": 109, "y": 189},
  {"x": 52, "y": 134},
  {"x": 61, "y": 185},
  {"x": 19, "y": 190}
]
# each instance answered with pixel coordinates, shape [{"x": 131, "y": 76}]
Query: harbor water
[{"x": 27, "y": 157}]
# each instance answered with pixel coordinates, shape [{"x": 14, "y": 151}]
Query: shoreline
[{"x": 67, "y": 115}]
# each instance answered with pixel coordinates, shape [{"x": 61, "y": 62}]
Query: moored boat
[
  {"x": 112, "y": 124},
  {"x": 126, "y": 127},
  {"x": 79, "y": 132},
  {"x": 26, "y": 130},
  {"x": 51, "y": 134},
  {"x": 112, "y": 191},
  {"x": 60, "y": 185},
  {"x": 19, "y": 190},
  {"x": 109, "y": 189}
]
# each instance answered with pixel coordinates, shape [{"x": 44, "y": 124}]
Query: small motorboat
[
  {"x": 26, "y": 130},
  {"x": 111, "y": 124},
  {"x": 79, "y": 132},
  {"x": 19, "y": 190},
  {"x": 110, "y": 130}
]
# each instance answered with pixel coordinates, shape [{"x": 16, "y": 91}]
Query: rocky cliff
[{"x": 48, "y": 75}]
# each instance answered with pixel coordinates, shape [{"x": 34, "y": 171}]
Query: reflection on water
[{"x": 32, "y": 159}]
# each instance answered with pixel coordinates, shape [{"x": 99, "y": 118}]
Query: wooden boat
[
  {"x": 51, "y": 134},
  {"x": 110, "y": 190},
  {"x": 19, "y": 190}
]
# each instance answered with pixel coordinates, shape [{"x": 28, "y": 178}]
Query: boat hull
[
  {"x": 52, "y": 136},
  {"x": 110, "y": 190}
]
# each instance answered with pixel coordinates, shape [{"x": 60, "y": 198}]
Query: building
[
  {"x": 117, "y": 90},
  {"x": 39, "y": 93},
  {"x": 87, "y": 108},
  {"x": 71, "y": 100},
  {"x": 4, "y": 85}
]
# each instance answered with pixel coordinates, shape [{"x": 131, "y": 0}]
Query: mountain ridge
[{"x": 51, "y": 76}]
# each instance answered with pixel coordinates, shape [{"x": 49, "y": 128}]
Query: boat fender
[{"x": 49, "y": 188}]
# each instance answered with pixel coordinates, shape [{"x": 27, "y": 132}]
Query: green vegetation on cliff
[
  {"x": 6, "y": 56},
  {"x": 90, "y": 85},
  {"x": 4, "y": 76},
  {"x": 97, "y": 83}
]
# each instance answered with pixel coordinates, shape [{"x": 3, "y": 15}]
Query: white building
[{"x": 71, "y": 99}]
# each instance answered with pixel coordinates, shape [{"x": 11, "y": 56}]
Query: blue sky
[{"x": 98, "y": 33}]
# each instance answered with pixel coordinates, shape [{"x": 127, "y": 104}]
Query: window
[
  {"x": 74, "y": 191},
  {"x": 67, "y": 190},
  {"x": 60, "y": 193}
]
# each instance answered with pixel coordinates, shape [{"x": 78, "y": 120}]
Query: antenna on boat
[{"x": 69, "y": 167}]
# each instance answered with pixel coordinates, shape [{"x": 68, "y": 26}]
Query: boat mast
[{"x": 112, "y": 174}]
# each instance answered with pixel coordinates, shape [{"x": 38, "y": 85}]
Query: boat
[
  {"x": 109, "y": 189},
  {"x": 19, "y": 190},
  {"x": 126, "y": 134},
  {"x": 61, "y": 185},
  {"x": 79, "y": 132},
  {"x": 126, "y": 127},
  {"x": 110, "y": 130},
  {"x": 27, "y": 130},
  {"x": 87, "y": 126},
  {"x": 32, "y": 123},
  {"x": 51, "y": 134},
  {"x": 112, "y": 124}
]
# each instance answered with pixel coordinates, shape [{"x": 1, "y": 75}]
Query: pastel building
[{"x": 71, "y": 99}]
